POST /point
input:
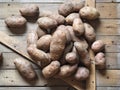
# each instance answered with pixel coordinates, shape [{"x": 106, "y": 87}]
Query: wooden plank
[
  {"x": 13, "y": 78},
  {"x": 108, "y": 1},
  {"x": 13, "y": 8},
  {"x": 108, "y": 88},
  {"x": 110, "y": 10},
  {"x": 112, "y": 61},
  {"x": 108, "y": 78},
  {"x": 34, "y": 88}
]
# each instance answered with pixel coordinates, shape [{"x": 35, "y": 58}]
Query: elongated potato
[
  {"x": 32, "y": 38},
  {"x": 59, "y": 18},
  {"x": 68, "y": 48},
  {"x": 25, "y": 68},
  {"x": 38, "y": 55},
  {"x": 89, "y": 33},
  {"x": 71, "y": 58},
  {"x": 76, "y": 39},
  {"x": 31, "y": 10},
  {"x": 44, "y": 42},
  {"x": 40, "y": 32},
  {"x": 82, "y": 74},
  {"x": 15, "y": 21},
  {"x": 65, "y": 9},
  {"x": 57, "y": 45},
  {"x": 47, "y": 23},
  {"x": 89, "y": 13},
  {"x": 83, "y": 53},
  {"x": 98, "y": 46},
  {"x": 67, "y": 70},
  {"x": 52, "y": 69},
  {"x": 70, "y": 18},
  {"x": 78, "y": 27},
  {"x": 100, "y": 60}
]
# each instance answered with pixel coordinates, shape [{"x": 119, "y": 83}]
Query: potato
[
  {"x": 40, "y": 32},
  {"x": 47, "y": 23},
  {"x": 52, "y": 69},
  {"x": 15, "y": 21},
  {"x": 78, "y": 27},
  {"x": 59, "y": 18},
  {"x": 71, "y": 58},
  {"x": 25, "y": 68},
  {"x": 89, "y": 33},
  {"x": 32, "y": 38},
  {"x": 38, "y": 55},
  {"x": 100, "y": 60},
  {"x": 82, "y": 74},
  {"x": 70, "y": 18},
  {"x": 65, "y": 9},
  {"x": 57, "y": 45},
  {"x": 68, "y": 48},
  {"x": 89, "y": 13},
  {"x": 98, "y": 46},
  {"x": 83, "y": 53},
  {"x": 44, "y": 42},
  {"x": 30, "y": 10},
  {"x": 77, "y": 4},
  {"x": 67, "y": 70},
  {"x": 76, "y": 39}
]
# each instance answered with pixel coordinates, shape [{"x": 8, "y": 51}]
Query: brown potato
[
  {"x": 25, "y": 68},
  {"x": 78, "y": 27},
  {"x": 65, "y": 9},
  {"x": 82, "y": 74},
  {"x": 38, "y": 55},
  {"x": 47, "y": 23},
  {"x": 59, "y": 18},
  {"x": 89, "y": 33},
  {"x": 40, "y": 32},
  {"x": 57, "y": 45},
  {"x": 67, "y": 70},
  {"x": 30, "y": 10},
  {"x": 32, "y": 38},
  {"x": 44, "y": 42},
  {"x": 15, "y": 21},
  {"x": 70, "y": 18},
  {"x": 71, "y": 58},
  {"x": 89, "y": 13},
  {"x": 98, "y": 46},
  {"x": 83, "y": 53},
  {"x": 100, "y": 60},
  {"x": 52, "y": 69}
]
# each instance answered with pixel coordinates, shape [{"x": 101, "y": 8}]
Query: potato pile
[{"x": 61, "y": 41}]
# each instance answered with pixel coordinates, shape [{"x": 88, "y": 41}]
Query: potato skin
[
  {"x": 81, "y": 74},
  {"x": 15, "y": 21},
  {"x": 30, "y": 10},
  {"x": 65, "y": 9},
  {"x": 89, "y": 13},
  {"x": 89, "y": 33},
  {"x": 83, "y": 53},
  {"x": 32, "y": 38},
  {"x": 44, "y": 42},
  {"x": 52, "y": 69},
  {"x": 78, "y": 27},
  {"x": 98, "y": 46},
  {"x": 100, "y": 60},
  {"x": 71, "y": 58},
  {"x": 40, "y": 32},
  {"x": 67, "y": 70},
  {"x": 25, "y": 68},
  {"x": 70, "y": 18},
  {"x": 58, "y": 43},
  {"x": 38, "y": 55},
  {"x": 47, "y": 23}
]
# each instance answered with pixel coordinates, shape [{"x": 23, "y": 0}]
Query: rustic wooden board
[{"x": 108, "y": 88}]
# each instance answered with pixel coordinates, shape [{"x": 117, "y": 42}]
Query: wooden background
[{"x": 107, "y": 29}]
